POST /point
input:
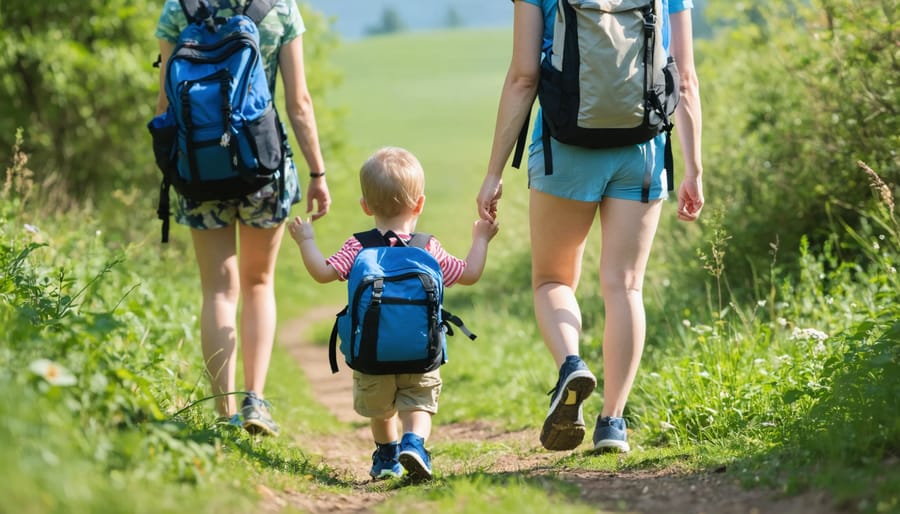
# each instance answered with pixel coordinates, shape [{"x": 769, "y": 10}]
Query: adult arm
[
  {"x": 688, "y": 118},
  {"x": 299, "y": 108},
  {"x": 516, "y": 100}
]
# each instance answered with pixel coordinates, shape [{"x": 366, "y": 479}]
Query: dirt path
[{"x": 658, "y": 491}]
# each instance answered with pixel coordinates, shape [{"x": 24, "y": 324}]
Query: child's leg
[
  {"x": 417, "y": 422},
  {"x": 384, "y": 429}
]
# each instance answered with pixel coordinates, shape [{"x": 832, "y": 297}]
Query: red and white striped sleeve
[
  {"x": 452, "y": 267},
  {"x": 342, "y": 261}
]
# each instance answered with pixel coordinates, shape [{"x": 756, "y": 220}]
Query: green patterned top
[{"x": 281, "y": 25}]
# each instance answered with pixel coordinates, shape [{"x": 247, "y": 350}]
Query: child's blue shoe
[
  {"x": 414, "y": 457},
  {"x": 610, "y": 435},
  {"x": 564, "y": 426},
  {"x": 385, "y": 463}
]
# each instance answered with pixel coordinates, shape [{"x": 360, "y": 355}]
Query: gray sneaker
[
  {"x": 611, "y": 435},
  {"x": 257, "y": 419}
]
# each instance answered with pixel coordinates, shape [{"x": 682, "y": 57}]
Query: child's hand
[
  {"x": 300, "y": 230},
  {"x": 484, "y": 229}
]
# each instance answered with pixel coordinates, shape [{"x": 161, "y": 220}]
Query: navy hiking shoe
[
  {"x": 564, "y": 426},
  {"x": 610, "y": 435},
  {"x": 257, "y": 419},
  {"x": 385, "y": 463},
  {"x": 414, "y": 457}
]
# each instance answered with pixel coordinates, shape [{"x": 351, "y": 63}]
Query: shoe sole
[
  {"x": 255, "y": 427},
  {"x": 414, "y": 466},
  {"x": 611, "y": 446},
  {"x": 564, "y": 427}
]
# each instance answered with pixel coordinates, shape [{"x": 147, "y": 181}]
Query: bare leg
[
  {"x": 417, "y": 422},
  {"x": 259, "y": 249},
  {"x": 384, "y": 429},
  {"x": 628, "y": 229},
  {"x": 217, "y": 260},
  {"x": 559, "y": 229}
]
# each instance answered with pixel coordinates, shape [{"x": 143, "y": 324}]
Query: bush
[{"x": 801, "y": 92}]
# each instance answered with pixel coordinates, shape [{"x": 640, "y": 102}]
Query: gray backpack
[{"x": 606, "y": 81}]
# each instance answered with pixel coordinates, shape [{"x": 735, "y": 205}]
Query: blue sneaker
[
  {"x": 230, "y": 421},
  {"x": 414, "y": 457},
  {"x": 610, "y": 435},
  {"x": 564, "y": 426},
  {"x": 385, "y": 463},
  {"x": 257, "y": 419}
]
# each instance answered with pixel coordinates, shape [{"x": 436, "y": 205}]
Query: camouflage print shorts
[{"x": 262, "y": 209}]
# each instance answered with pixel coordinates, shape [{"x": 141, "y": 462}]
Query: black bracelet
[{"x": 317, "y": 175}]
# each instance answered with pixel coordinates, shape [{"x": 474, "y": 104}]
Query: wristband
[{"x": 317, "y": 175}]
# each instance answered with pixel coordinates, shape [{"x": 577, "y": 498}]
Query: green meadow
[{"x": 780, "y": 369}]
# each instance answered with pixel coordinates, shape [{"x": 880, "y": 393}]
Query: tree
[
  {"x": 390, "y": 23},
  {"x": 76, "y": 75},
  {"x": 452, "y": 19}
]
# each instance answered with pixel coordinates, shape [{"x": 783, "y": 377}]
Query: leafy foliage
[
  {"x": 79, "y": 76},
  {"x": 800, "y": 91}
]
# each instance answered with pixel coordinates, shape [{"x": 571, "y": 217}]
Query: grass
[{"x": 766, "y": 389}]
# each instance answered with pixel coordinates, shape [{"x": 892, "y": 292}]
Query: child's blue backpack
[
  {"x": 221, "y": 137},
  {"x": 394, "y": 321}
]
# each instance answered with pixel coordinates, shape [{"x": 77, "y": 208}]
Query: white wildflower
[
  {"x": 53, "y": 373},
  {"x": 761, "y": 303},
  {"x": 686, "y": 322},
  {"x": 781, "y": 321},
  {"x": 665, "y": 425},
  {"x": 31, "y": 228},
  {"x": 809, "y": 334},
  {"x": 704, "y": 374}
]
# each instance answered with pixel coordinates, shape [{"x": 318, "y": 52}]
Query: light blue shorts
[
  {"x": 590, "y": 175},
  {"x": 265, "y": 208}
]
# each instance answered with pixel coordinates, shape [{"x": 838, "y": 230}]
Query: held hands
[
  {"x": 485, "y": 229},
  {"x": 301, "y": 230},
  {"x": 489, "y": 197}
]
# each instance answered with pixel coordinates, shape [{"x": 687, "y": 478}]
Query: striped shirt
[{"x": 452, "y": 267}]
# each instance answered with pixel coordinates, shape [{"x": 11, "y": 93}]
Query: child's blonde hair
[{"x": 392, "y": 181}]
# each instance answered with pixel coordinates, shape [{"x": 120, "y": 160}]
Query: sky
[{"x": 353, "y": 17}]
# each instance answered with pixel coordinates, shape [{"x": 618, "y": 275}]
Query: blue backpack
[
  {"x": 394, "y": 321},
  {"x": 221, "y": 137}
]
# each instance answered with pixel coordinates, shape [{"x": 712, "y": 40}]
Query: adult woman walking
[
  {"x": 236, "y": 241},
  {"x": 562, "y": 209}
]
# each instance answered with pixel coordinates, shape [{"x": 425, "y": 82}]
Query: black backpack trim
[
  {"x": 373, "y": 239},
  {"x": 200, "y": 10}
]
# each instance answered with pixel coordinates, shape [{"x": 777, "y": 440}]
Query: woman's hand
[{"x": 489, "y": 197}]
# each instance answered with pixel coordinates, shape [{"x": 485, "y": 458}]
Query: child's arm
[
  {"x": 482, "y": 233},
  {"x": 319, "y": 270}
]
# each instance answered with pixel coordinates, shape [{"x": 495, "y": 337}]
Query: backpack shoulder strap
[
  {"x": 419, "y": 240},
  {"x": 256, "y": 10},
  {"x": 196, "y": 10},
  {"x": 371, "y": 238}
]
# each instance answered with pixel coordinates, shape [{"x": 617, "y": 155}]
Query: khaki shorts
[{"x": 377, "y": 396}]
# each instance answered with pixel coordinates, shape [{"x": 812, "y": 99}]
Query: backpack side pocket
[
  {"x": 264, "y": 138},
  {"x": 163, "y": 132}
]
